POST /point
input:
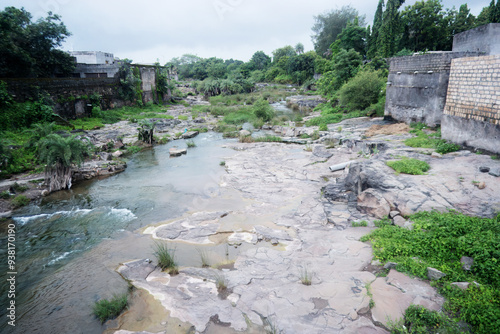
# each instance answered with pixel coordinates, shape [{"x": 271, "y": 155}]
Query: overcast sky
[{"x": 150, "y": 30}]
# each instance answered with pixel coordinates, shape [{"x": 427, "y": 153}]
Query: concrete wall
[
  {"x": 92, "y": 57},
  {"x": 417, "y": 86},
  {"x": 96, "y": 70},
  {"x": 472, "y": 111},
  {"x": 148, "y": 85},
  {"x": 484, "y": 39}
]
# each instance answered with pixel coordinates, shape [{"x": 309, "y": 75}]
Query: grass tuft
[
  {"x": 166, "y": 258},
  {"x": 109, "y": 309},
  {"x": 305, "y": 276}
]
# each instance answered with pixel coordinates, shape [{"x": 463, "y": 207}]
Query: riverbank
[{"x": 300, "y": 200}]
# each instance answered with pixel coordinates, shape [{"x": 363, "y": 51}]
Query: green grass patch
[
  {"x": 362, "y": 223},
  {"x": 439, "y": 240},
  {"x": 409, "y": 166},
  {"x": 241, "y": 116},
  {"x": 268, "y": 138},
  {"x": 182, "y": 117},
  {"x": 109, "y": 309},
  {"x": 429, "y": 140}
]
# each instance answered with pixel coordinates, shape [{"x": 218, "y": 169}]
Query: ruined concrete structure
[{"x": 459, "y": 90}]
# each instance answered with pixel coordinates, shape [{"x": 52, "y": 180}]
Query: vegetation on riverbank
[
  {"x": 109, "y": 309},
  {"x": 440, "y": 240}
]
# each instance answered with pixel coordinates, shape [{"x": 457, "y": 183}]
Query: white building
[{"x": 93, "y": 57}]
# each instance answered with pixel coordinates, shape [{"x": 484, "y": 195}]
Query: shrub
[
  {"x": 362, "y": 223},
  {"x": 268, "y": 138},
  {"x": 190, "y": 143},
  {"x": 363, "y": 90},
  {"x": 263, "y": 110},
  {"x": 444, "y": 147},
  {"x": 109, "y": 309},
  {"x": 409, "y": 166},
  {"x": 20, "y": 201},
  {"x": 323, "y": 127}
]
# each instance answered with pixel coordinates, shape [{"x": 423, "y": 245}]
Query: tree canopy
[{"x": 29, "y": 49}]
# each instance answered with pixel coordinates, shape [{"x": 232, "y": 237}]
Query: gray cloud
[{"x": 160, "y": 29}]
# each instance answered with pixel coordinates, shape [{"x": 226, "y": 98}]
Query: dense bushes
[{"x": 363, "y": 90}]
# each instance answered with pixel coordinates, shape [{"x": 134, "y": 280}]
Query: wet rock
[
  {"x": 434, "y": 274},
  {"x": 190, "y": 134},
  {"x": 238, "y": 238},
  {"x": 267, "y": 233},
  {"x": 373, "y": 203},
  {"x": 467, "y": 262},
  {"x": 177, "y": 152},
  {"x": 245, "y": 133},
  {"x": 484, "y": 169},
  {"x": 5, "y": 214},
  {"x": 495, "y": 172}
]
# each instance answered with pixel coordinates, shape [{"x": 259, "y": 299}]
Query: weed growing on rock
[
  {"x": 166, "y": 258},
  {"x": 409, "y": 166},
  {"x": 440, "y": 240},
  {"x": 323, "y": 127},
  {"x": 190, "y": 144},
  {"x": 271, "y": 327},
  {"x": 203, "y": 258},
  {"x": 362, "y": 223},
  {"x": 109, "y": 309},
  {"x": 268, "y": 138},
  {"x": 222, "y": 163},
  {"x": 429, "y": 140},
  {"x": 305, "y": 276},
  {"x": 20, "y": 201}
]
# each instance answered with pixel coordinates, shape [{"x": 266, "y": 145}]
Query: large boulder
[{"x": 373, "y": 203}]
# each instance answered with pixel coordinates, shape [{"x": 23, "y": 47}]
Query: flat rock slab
[
  {"x": 190, "y": 134},
  {"x": 396, "y": 292}
]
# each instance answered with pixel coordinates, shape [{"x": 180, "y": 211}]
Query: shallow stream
[{"x": 69, "y": 244}]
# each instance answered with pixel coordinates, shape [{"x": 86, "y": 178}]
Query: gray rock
[
  {"x": 117, "y": 154},
  {"x": 245, "y": 133},
  {"x": 390, "y": 265},
  {"x": 434, "y": 274},
  {"x": 269, "y": 234},
  {"x": 5, "y": 214},
  {"x": 321, "y": 152},
  {"x": 484, "y": 169},
  {"x": 495, "y": 172},
  {"x": 399, "y": 221},
  {"x": 436, "y": 155},
  {"x": 461, "y": 285},
  {"x": 177, "y": 152},
  {"x": 341, "y": 166},
  {"x": 393, "y": 214},
  {"x": 467, "y": 262},
  {"x": 373, "y": 203},
  {"x": 190, "y": 134}
]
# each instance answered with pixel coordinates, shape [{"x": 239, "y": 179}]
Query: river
[{"x": 69, "y": 244}]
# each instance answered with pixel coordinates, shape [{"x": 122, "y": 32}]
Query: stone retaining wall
[
  {"x": 417, "y": 86},
  {"x": 472, "y": 111}
]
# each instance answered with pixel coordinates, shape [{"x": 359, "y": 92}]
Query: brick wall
[
  {"x": 472, "y": 111},
  {"x": 474, "y": 89}
]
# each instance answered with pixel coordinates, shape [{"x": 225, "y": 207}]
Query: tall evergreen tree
[
  {"x": 390, "y": 30},
  {"x": 374, "y": 36},
  {"x": 463, "y": 21}
]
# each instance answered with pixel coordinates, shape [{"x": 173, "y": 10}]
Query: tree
[
  {"x": 463, "y": 21},
  {"x": 286, "y": 51},
  {"x": 29, "y": 49},
  {"x": 425, "y": 26},
  {"x": 483, "y": 17},
  {"x": 59, "y": 154},
  {"x": 129, "y": 82},
  {"x": 299, "y": 48},
  {"x": 329, "y": 25},
  {"x": 372, "y": 40},
  {"x": 390, "y": 30},
  {"x": 345, "y": 65},
  {"x": 353, "y": 37},
  {"x": 260, "y": 60}
]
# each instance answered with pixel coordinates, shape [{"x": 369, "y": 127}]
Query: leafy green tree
[
  {"x": 494, "y": 13},
  {"x": 263, "y": 110},
  {"x": 373, "y": 37},
  {"x": 483, "y": 17},
  {"x": 346, "y": 65},
  {"x": 260, "y": 60},
  {"x": 425, "y": 26},
  {"x": 29, "y": 49},
  {"x": 362, "y": 90},
  {"x": 286, "y": 51},
  {"x": 129, "y": 82},
  {"x": 353, "y": 36},
  {"x": 59, "y": 154},
  {"x": 329, "y": 25},
  {"x": 301, "y": 67},
  {"x": 299, "y": 48},
  {"x": 390, "y": 30}
]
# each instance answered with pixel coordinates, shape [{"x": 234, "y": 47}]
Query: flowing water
[{"x": 69, "y": 244}]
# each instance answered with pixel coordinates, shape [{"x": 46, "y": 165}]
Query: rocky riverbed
[{"x": 302, "y": 200}]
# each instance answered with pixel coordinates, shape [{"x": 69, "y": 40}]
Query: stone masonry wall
[
  {"x": 417, "y": 86},
  {"x": 472, "y": 111}
]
